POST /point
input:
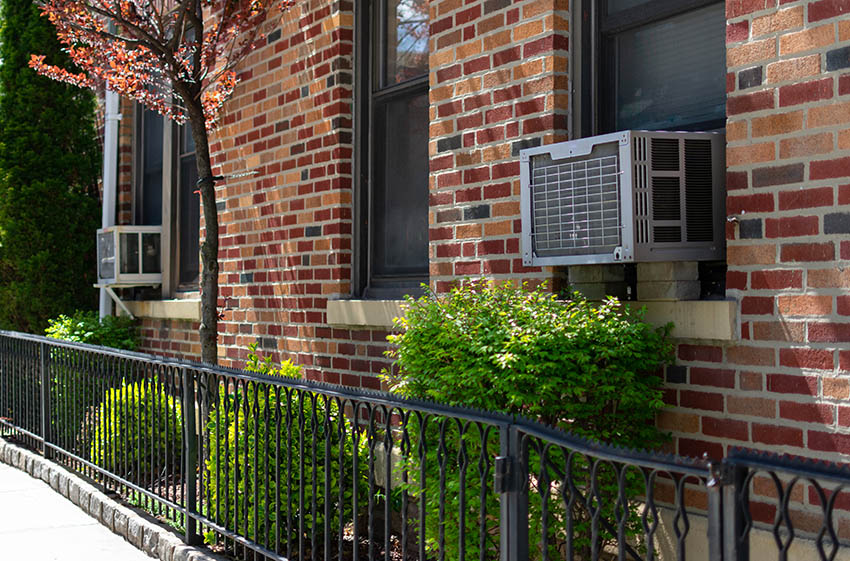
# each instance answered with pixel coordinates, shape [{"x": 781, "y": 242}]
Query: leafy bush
[
  {"x": 77, "y": 385},
  {"x": 243, "y": 427},
  {"x": 591, "y": 369},
  {"x": 118, "y": 332},
  {"x": 138, "y": 432}
]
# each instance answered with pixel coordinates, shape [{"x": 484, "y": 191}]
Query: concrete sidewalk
[{"x": 39, "y": 524}]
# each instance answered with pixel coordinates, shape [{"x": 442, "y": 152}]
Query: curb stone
[{"x": 151, "y": 538}]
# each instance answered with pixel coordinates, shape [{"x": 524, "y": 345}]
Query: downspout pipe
[{"x": 110, "y": 178}]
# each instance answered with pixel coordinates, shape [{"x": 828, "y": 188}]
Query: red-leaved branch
[{"x": 157, "y": 51}]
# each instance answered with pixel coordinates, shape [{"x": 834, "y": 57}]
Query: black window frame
[
  {"x": 594, "y": 103},
  {"x": 170, "y": 218},
  {"x": 369, "y": 94}
]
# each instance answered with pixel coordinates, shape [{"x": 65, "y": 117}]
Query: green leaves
[
  {"x": 49, "y": 169},
  {"x": 589, "y": 368},
  {"x": 292, "y": 441},
  {"x": 567, "y": 363},
  {"x": 139, "y": 431},
  {"x": 87, "y": 327}
]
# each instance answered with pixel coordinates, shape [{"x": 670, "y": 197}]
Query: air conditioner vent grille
[
  {"x": 698, "y": 190},
  {"x": 576, "y": 206},
  {"x": 665, "y": 154},
  {"x": 667, "y": 234},
  {"x": 666, "y": 198}
]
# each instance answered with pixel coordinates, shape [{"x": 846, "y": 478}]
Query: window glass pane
[
  {"x": 106, "y": 255},
  {"x": 620, "y": 5},
  {"x": 190, "y": 221},
  {"x": 672, "y": 74},
  {"x": 400, "y": 193},
  {"x": 407, "y": 40},
  {"x": 150, "y": 257},
  {"x": 129, "y": 253},
  {"x": 151, "y": 189}
]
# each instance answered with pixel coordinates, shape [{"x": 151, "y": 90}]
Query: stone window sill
[
  {"x": 188, "y": 309},
  {"x": 364, "y": 313},
  {"x": 692, "y": 319}
]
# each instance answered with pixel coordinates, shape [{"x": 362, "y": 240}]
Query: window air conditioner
[
  {"x": 629, "y": 196},
  {"x": 129, "y": 256}
]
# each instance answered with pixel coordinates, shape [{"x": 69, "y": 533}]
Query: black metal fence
[{"x": 278, "y": 468}]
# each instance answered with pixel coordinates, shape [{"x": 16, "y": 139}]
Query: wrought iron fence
[{"x": 278, "y": 468}]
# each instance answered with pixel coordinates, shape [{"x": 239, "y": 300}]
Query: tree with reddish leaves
[{"x": 178, "y": 58}]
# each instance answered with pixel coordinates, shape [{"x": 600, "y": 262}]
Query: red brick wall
[
  {"x": 285, "y": 244},
  {"x": 171, "y": 338},
  {"x": 286, "y": 241},
  {"x": 499, "y": 81},
  {"x": 124, "y": 209},
  {"x": 785, "y": 385}
]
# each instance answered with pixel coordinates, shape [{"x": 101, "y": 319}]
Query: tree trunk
[{"x": 209, "y": 247}]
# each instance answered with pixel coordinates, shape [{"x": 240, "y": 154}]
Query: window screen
[
  {"x": 661, "y": 67},
  {"x": 401, "y": 201},
  {"x": 672, "y": 74}
]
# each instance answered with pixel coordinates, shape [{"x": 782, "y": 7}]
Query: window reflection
[
  {"x": 620, "y": 5},
  {"x": 407, "y": 40}
]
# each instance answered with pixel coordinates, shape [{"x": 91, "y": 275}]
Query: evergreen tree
[{"x": 49, "y": 166}]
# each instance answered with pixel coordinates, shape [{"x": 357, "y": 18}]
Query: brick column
[{"x": 499, "y": 83}]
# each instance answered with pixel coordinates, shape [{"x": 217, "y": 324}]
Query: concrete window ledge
[
  {"x": 696, "y": 319},
  {"x": 376, "y": 314},
  {"x": 181, "y": 309},
  {"x": 702, "y": 319}
]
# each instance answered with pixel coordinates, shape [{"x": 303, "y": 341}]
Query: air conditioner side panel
[
  {"x": 693, "y": 251},
  {"x": 525, "y": 208},
  {"x": 719, "y": 177},
  {"x": 627, "y": 200}
]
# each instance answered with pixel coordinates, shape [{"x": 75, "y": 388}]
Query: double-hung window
[
  {"x": 651, "y": 64},
  {"x": 391, "y": 123},
  {"x": 164, "y": 185}
]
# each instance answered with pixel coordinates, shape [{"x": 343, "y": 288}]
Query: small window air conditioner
[
  {"x": 129, "y": 256},
  {"x": 624, "y": 197}
]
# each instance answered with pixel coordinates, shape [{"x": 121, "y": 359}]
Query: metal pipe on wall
[{"x": 110, "y": 177}]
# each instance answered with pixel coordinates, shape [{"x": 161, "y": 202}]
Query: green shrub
[
  {"x": 138, "y": 432},
  {"x": 77, "y": 385},
  {"x": 591, "y": 369},
  {"x": 244, "y": 424},
  {"x": 118, "y": 332}
]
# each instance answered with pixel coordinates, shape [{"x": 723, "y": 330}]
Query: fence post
[
  {"x": 190, "y": 454},
  {"x": 735, "y": 501},
  {"x": 717, "y": 483},
  {"x": 510, "y": 483},
  {"x": 45, "y": 399},
  {"x": 727, "y": 501}
]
